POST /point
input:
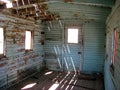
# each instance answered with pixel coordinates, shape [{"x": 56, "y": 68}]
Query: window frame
[
  {"x": 4, "y": 44},
  {"x": 114, "y": 50},
  {"x": 68, "y": 37},
  {"x": 115, "y": 46},
  {"x": 72, "y": 27},
  {"x": 31, "y": 44}
]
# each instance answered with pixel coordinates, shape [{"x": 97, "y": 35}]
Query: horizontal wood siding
[
  {"x": 94, "y": 46},
  {"x": 18, "y": 65},
  {"x": 93, "y": 52},
  {"x": 113, "y": 21}
]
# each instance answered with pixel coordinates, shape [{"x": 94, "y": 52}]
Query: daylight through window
[
  {"x": 72, "y": 36},
  {"x": 1, "y": 41},
  {"x": 28, "y": 40}
]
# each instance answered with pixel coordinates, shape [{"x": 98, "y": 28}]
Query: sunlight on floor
[
  {"x": 54, "y": 86},
  {"x": 47, "y": 73},
  {"x": 71, "y": 81},
  {"x": 28, "y": 86}
]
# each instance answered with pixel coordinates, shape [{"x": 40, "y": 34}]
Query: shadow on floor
[{"x": 53, "y": 80}]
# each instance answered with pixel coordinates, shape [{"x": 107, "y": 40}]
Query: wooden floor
[{"x": 52, "y": 80}]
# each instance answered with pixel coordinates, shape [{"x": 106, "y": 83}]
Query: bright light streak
[
  {"x": 59, "y": 62},
  {"x": 58, "y": 49},
  {"x": 54, "y": 86},
  {"x": 48, "y": 28},
  {"x": 47, "y": 73},
  {"x": 73, "y": 84},
  {"x": 50, "y": 24},
  {"x": 28, "y": 86},
  {"x": 56, "y": 77},
  {"x": 66, "y": 63},
  {"x": 68, "y": 49},
  {"x": 73, "y": 64},
  {"x": 55, "y": 50},
  {"x": 64, "y": 84},
  {"x": 60, "y": 23},
  {"x": 64, "y": 79},
  {"x": 72, "y": 80}
]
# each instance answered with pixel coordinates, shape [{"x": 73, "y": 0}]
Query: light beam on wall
[
  {"x": 55, "y": 50},
  {"x": 66, "y": 63},
  {"x": 73, "y": 64},
  {"x": 59, "y": 62}
]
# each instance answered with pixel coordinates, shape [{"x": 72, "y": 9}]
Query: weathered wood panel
[
  {"x": 18, "y": 64},
  {"x": 112, "y": 79},
  {"x": 94, "y": 46},
  {"x": 59, "y": 53}
]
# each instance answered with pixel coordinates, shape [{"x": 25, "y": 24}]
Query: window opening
[
  {"x": 72, "y": 35},
  {"x": 28, "y": 40}
]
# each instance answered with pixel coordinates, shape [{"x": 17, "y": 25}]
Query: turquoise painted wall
[
  {"x": 113, "y": 21},
  {"x": 93, "y": 56},
  {"x": 94, "y": 46},
  {"x": 17, "y": 63},
  {"x": 92, "y": 21}
]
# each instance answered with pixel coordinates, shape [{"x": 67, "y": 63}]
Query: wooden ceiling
[
  {"x": 30, "y": 9},
  {"x": 37, "y": 9}
]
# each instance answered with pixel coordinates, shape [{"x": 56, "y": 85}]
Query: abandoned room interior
[{"x": 59, "y": 44}]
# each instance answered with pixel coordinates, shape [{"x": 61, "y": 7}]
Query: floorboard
[{"x": 61, "y": 81}]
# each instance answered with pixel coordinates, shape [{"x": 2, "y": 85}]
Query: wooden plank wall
[
  {"x": 18, "y": 65},
  {"x": 93, "y": 31},
  {"x": 113, "y": 21},
  {"x": 94, "y": 46},
  {"x": 57, "y": 50},
  {"x": 60, "y": 55}
]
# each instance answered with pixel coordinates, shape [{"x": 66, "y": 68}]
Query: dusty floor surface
[{"x": 53, "y": 80}]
